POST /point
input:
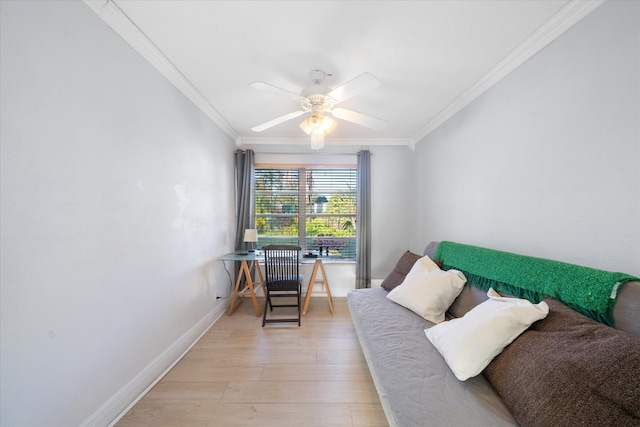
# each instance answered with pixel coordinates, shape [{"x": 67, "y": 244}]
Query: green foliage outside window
[{"x": 329, "y": 199}]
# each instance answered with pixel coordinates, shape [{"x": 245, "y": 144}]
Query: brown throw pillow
[
  {"x": 569, "y": 370},
  {"x": 402, "y": 268}
]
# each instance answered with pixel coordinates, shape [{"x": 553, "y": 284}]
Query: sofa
[{"x": 564, "y": 369}]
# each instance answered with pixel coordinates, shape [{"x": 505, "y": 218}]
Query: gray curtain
[
  {"x": 245, "y": 205},
  {"x": 363, "y": 202}
]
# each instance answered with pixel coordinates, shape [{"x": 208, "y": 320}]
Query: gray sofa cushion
[
  {"x": 468, "y": 298},
  {"x": 415, "y": 385},
  {"x": 626, "y": 315}
]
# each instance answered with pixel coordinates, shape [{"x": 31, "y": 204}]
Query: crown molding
[
  {"x": 113, "y": 16},
  {"x": 242, "y": 141},
  {"x": 566, "y": 18}
]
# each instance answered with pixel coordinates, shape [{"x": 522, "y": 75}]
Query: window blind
[{"x": 311, "y": 207}]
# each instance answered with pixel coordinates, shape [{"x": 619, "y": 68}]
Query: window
[{"x": 311, "y": 207}]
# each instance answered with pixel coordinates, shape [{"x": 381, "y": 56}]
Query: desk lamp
[{"x": 250, "y": 238}]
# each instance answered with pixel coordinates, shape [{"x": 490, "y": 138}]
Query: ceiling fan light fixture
[
  {"x": 317, "y": 126},
  {"x": 317, "y": 99},
  {"x": 318, "y": 123},
  {"x": 327, "y": 125},
  {"x": 317, "y": 140}
]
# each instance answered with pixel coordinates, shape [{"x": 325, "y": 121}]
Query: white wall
[
  {"x": 116, "y": 200},
  {"x": 546, "y": 162},
  {"x": 391, "y": 208}
]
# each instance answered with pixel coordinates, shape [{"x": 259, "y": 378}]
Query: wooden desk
[
  {"x": 251, "y": 261},
  {"x": 248, "y": 262},
  {"x": 317, "y": 267}
]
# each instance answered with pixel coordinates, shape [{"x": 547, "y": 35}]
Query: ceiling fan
[{"x": 318, "y": 99}]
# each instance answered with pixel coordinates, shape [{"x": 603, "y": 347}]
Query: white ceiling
[{"x": 432, "y": 57}]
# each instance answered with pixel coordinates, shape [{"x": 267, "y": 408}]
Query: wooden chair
[{"x": 282, "y": 279}]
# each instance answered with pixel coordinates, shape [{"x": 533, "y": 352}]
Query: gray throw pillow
[
  {"x": 569, "y": 370},
  {"x": 402, "y": 268}
]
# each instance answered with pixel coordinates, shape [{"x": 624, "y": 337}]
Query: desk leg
[
  {"x": 234, "y": 297},
  {"x": 325, "y": 284},
  {"x": 257, "y": 264},
  {"x": 312, "y": 281},
  {"x": 245, "y": 271},
  {"x": 251, "y": 289}
]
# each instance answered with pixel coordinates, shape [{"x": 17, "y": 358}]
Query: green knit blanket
[{"x": 587, "y": 290}]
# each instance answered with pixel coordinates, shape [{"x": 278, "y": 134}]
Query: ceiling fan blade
[
  {"x": 360, "y": 84},
  {"x": 277, "y": 121},
  {"x": 276, "y": 90},
  {"x": 359, "y": 118}
]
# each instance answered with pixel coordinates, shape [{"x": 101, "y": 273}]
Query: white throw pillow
[
  {"x": 427, "y": 290},
  {"x": 469, "y": 343}
]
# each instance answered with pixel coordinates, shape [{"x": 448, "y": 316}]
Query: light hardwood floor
[{"x": 240, "y": 374}]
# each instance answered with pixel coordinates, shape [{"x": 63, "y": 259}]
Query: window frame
[{"x": 303, "y": 215}]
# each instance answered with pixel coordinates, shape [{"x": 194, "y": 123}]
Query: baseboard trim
[{"x": 120, "y": 403}]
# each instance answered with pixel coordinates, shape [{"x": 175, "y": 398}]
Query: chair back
[{"x": 282, "y": 265}]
